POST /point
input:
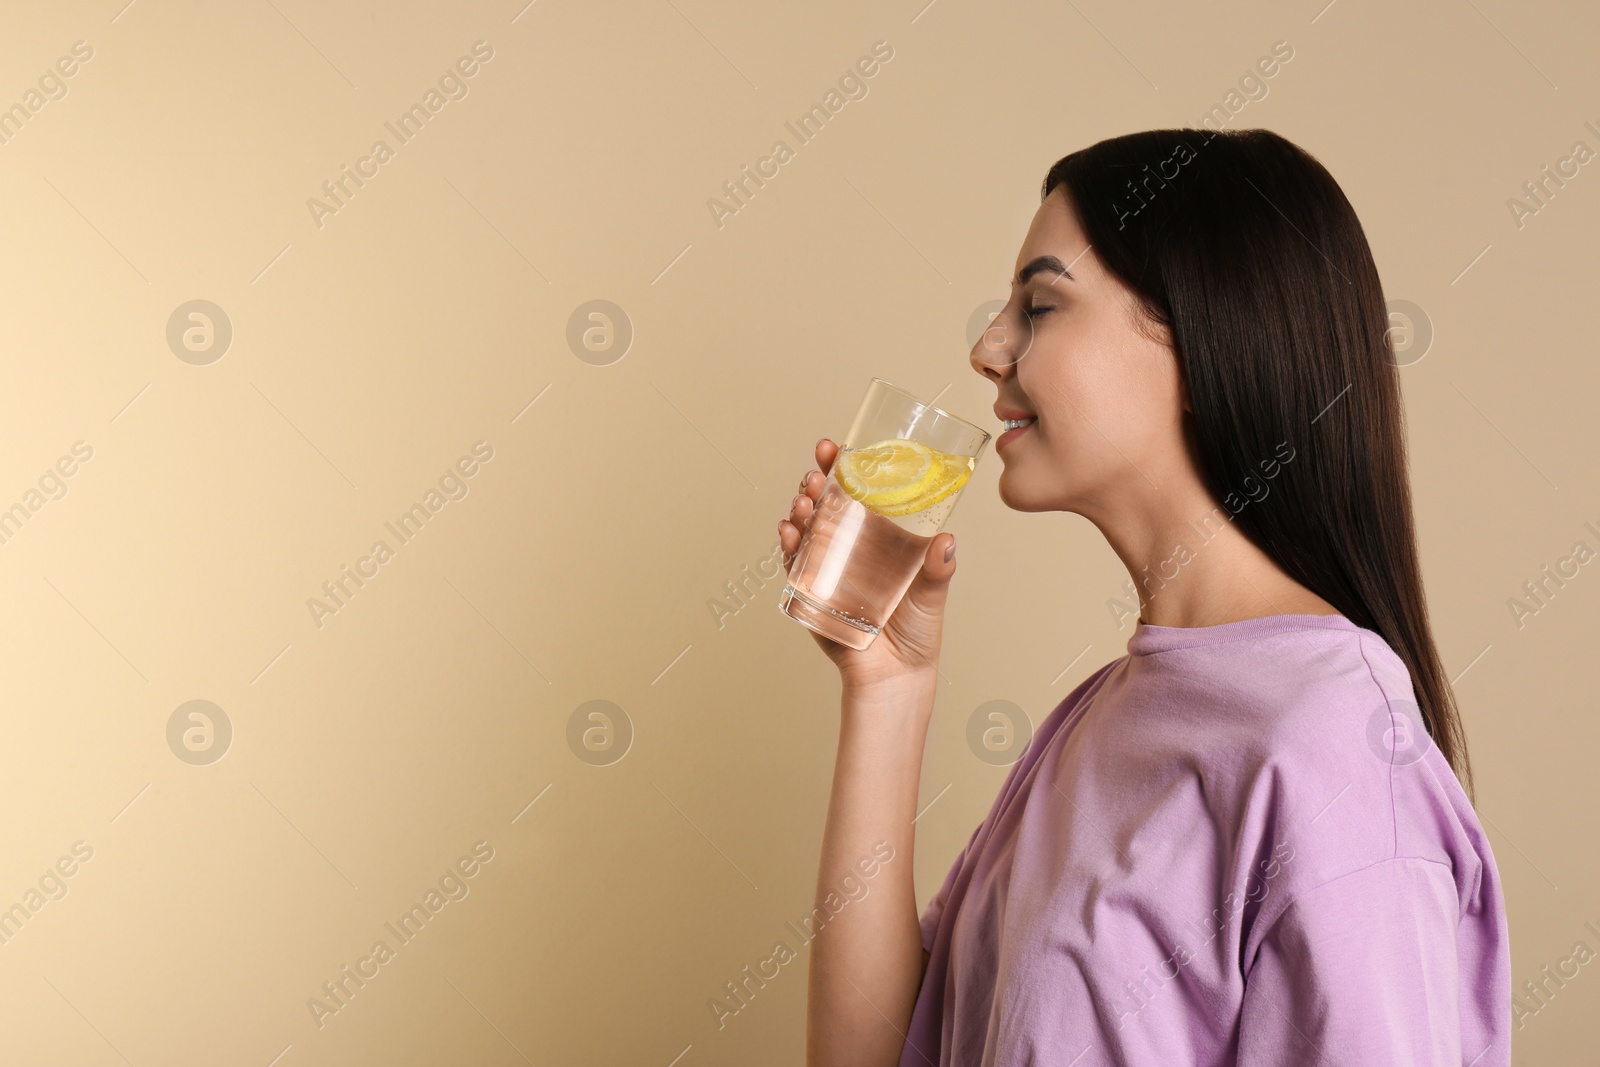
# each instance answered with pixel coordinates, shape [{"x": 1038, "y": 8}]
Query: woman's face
[{"x": 1108, "y": 399}]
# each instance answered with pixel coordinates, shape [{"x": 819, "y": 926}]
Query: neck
[{"x": 1192, "y": 566}]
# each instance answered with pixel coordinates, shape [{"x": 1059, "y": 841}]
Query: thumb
[{"x": 932, "y": 583}]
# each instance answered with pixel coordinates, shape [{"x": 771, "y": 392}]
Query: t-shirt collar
[{"x": 1148, "y": 639}]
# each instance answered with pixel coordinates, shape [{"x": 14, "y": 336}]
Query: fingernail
[{"x": 950, "y": 552}]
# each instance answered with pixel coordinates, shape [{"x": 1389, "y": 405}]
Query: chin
[
  {"x": 1018, "y": 496},
  {"x": 1023, "y": 493}
]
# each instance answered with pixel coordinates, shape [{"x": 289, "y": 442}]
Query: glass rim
[{"x": 925, "y": 404}]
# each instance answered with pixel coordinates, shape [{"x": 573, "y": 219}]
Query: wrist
[{"x": 910, "y": 691}]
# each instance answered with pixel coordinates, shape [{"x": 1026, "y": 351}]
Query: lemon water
[
  {"x": 930, "y": 520},
  {"x": 879, "y": 509}
]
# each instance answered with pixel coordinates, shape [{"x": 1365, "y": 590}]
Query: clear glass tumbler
[{"x": 898, "y": 475}]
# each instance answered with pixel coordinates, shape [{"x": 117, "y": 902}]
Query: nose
[{"x": 1002, "y": 344}]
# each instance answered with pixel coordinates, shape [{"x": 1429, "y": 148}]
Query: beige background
[{"x": 428, "y": 713}]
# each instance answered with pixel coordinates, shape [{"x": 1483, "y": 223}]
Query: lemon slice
[
  {"x": 899, "y": 476},
  {"x": 951, "y": 473},
  {"x": 886, "y": 473}
]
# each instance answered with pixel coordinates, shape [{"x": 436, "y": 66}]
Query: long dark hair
[{"x": 1245, "y": 248}]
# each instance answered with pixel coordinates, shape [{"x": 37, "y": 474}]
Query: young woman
[{"x": 1246, "y": 841}]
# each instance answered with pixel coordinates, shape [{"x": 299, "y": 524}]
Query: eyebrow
[{"x": 1042, "y": 263}]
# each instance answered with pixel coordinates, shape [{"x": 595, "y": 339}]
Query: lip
[
  {"x": 1011, "y": 435},
  {"x": 1002, "y": 413}
]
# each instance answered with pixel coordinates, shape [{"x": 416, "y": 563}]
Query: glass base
[{"x": 848, "y": 630}]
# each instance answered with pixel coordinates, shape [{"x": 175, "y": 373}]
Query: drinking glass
[{"x": 898, "y": 475}]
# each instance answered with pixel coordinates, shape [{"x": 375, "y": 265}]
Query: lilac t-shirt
[{"x": 1234, "y": 845}]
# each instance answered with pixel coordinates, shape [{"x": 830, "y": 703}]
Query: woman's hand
[{"x": 909, "y": 643}]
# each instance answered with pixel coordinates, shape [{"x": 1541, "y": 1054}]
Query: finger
[
  {"x": 800, "y": 509},
  {"x": 826, "y": 451},
  {"x": 941, "y": 558},
  {"x": 932, "y": 583},
  {"x": 812, "y": 484}
]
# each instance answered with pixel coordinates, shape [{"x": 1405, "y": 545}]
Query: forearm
[{"x": 867, "y": 962}]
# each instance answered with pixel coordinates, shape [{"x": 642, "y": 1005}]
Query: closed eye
[{"x": 1035, "y": 312}]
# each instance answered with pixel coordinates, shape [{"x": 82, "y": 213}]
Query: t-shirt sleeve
[
  {"x": 1064, "y": 712},
  {"x": 935, "y": 908},
  {"x": 1361, "y": 970}
]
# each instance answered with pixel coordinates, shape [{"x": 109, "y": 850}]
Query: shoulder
[{"x": 1339, "y": 774}]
